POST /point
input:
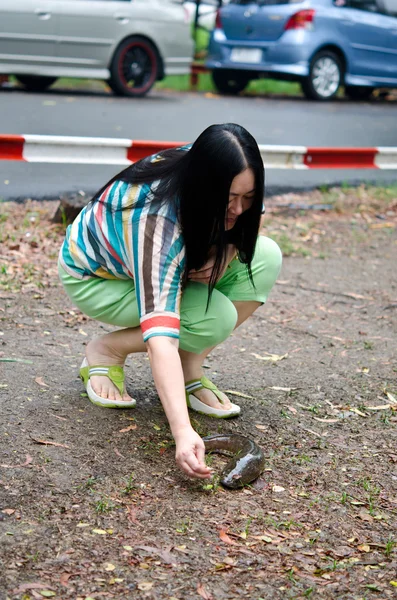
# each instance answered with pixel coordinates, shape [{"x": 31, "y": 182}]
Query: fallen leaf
[
  {"x": 109, "y": 567},
  {"x": 364, "y": 548},
  {"x": 118, "y": 453},
  {"x": 379, "y": 407},
  {"x": 156, "y": 427},
  {"x": 392, "y": 398},
  {"x": 81, "y": 332},
  {"x": 225, "y": 538},
  {"x": 270, "y": 357},
  {"x": 277, "y": 489},
  {"x": 99, "y": 531},
  {"x": 40, "y": 381},
  {"x": 129, "y": 548},
  {"x": 364, "y": 516},
  {"x": 31, "y": 586},
  {"x": 235, "y": 393},
  {"x": 281, "y": 389},
  {"x": 203, "y": 592},
  {"x": 393, "y": 583},
  {"x": 327, "y": 420},
  {"x": 47, "y": 443},
  {"x": 129, "y": 428},
  {"x": 47, "y": 593},
  {"x": 8, "y": 511},
  {"x": 145, "y": 586},
  {"x": 261, "y": 427},
  {"x": 27, "y": 462},
  {"x": 358, "y": 412}
]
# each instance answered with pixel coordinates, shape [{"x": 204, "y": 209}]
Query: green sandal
[
  {"x": 116, "y": 376},
  {"x": 202, "y": 408}
]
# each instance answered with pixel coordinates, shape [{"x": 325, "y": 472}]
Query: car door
[
  {"x": 89, "y": 30},
  {"x": 363, "y": 25},
  {"x": 27, "y": 34},
  {"x": 390, "y": 9}
]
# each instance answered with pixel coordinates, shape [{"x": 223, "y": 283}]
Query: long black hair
[{"x": 198, "y": 181}]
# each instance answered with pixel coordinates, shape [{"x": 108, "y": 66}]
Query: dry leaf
[
  {"x": 364, "y": 516},
  {"x": 278, "y": 488},
  {"x": 46, "y": 443},
  {"x": 99, "y": 531},
  {"x": 109, "y": 567},
  {"x": 235, "y": 393},
  {"x": 31, "y": 586},
  {"x": 203, "y": 592},
  {"x": 261, "y": 427},
  {"x": 327, "y": 420},
  {"x": 358, "y": 412},
  {"x": 392, "y": 398},
  {"x": 270, "y": 357},
  {"x": 40, "y": 381},
  {"x": 8, "y": 511},
  {"x": 129, "y": 428},
  {"x": 145, "y": 586},
  {"x": 225, "y": 538},
  {"x": 82, "y": 332},
  {"x": 27, "y": 462},
  {"x": 379, "y": 407},
  {"x": 281, "y": 389},
  {"x": 364, "y": 548}
]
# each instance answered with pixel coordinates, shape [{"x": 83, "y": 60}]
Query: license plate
[{"x": 246, "y": 55}]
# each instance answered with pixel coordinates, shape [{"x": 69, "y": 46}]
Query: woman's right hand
[{"x": 190, "y": 452}]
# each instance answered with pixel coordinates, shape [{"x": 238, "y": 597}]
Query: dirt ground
[{"x": 92, "y": 505}]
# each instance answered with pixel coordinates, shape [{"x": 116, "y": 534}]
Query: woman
[{"x": 168, "y": 251}]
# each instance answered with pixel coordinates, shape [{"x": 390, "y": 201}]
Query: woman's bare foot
[
  {"x": 98, "y": 353},
  {"x": 208, "y": 397}
]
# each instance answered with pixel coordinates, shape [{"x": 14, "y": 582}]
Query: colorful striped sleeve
[{"x": 157, "y": 253}]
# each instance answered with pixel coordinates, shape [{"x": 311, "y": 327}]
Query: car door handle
[
  {"x": 42, "y": 14},
  {"x": 122, "y": 18}
]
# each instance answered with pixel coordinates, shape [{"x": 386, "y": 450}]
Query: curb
[{"x": 122, "y": 151}]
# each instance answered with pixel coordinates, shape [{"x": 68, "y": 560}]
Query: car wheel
[
  {"x": 229, "y": 81},
  {"x": 357, "y": 92},
  {"x": 324, "y": 78},
  {"x": 35, "y": 83},
  {"x": 134, "y": 67}
]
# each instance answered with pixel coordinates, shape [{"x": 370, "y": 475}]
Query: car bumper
[{"x": 289, "y": 55}]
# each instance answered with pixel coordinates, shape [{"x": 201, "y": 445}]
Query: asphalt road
[{"x": 181, "y": 117}]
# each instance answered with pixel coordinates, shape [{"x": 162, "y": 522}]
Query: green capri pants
[{"x": 114, "y": 301}]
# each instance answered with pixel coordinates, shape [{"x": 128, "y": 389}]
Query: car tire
[
  {"x": 229, "y": 81},
  {"x": 357, "y": 92},
  {"x": 134, "y": 68},
  {"x": 325, "y": 76},
  {"x": 35, "y": 83}
]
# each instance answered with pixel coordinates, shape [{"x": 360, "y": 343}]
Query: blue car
[{"x": 323, "y": 44}]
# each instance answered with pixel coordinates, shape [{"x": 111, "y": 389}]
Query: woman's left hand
[{"x": 203, "y": 275}]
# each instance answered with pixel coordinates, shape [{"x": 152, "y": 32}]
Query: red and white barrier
[{"x": 119, "y": 151}]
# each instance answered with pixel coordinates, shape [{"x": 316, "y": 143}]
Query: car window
[
  {"x": 366, "y": 5},
  {"x": 391, "y": 7}
]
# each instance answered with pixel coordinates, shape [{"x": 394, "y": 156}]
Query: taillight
[
  {"x": 218, "y": 22},
  {"x": 301, "y": 20}
]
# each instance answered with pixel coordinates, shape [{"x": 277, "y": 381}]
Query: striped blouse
[{"x": 142, "y": 242}]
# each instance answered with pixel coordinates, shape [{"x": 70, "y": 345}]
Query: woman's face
[{"x": 241, "y": 196}]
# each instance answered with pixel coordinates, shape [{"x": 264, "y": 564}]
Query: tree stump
[{"x": 68, "y": 208}]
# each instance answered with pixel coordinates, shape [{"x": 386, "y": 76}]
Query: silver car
[{"x": 128, "y": 43}]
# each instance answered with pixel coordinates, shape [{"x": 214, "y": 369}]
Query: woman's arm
[{"x": 168, "y": 378}]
